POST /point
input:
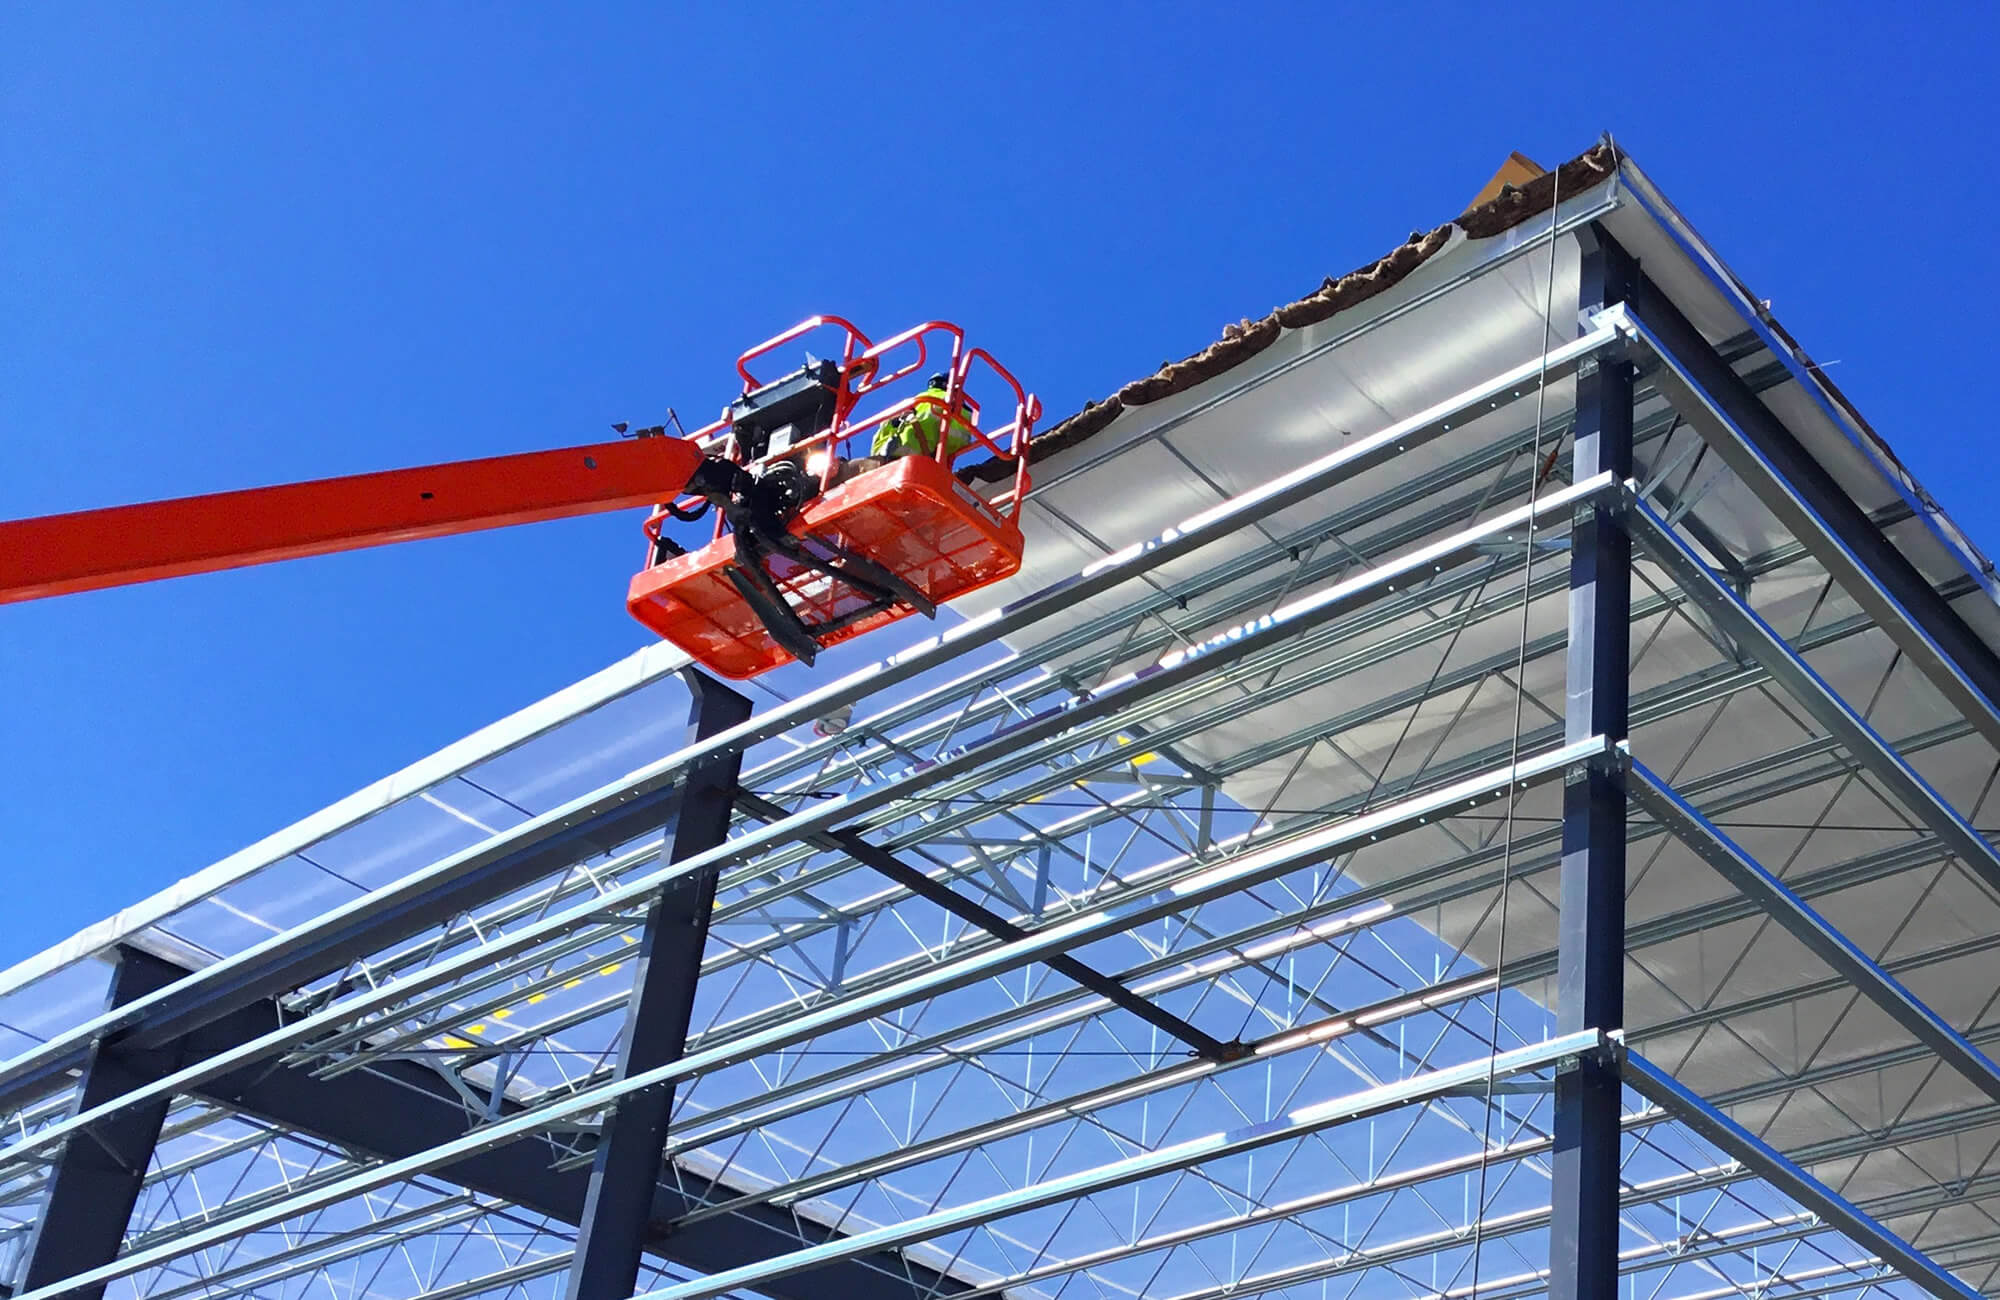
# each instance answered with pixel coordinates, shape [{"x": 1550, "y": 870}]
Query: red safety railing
[
  {"x": 867, "y": 368},
  {"x": 799, "y": 331}
]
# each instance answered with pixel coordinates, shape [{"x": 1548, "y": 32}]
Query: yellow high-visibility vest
[{"x": 922, "y": 426}]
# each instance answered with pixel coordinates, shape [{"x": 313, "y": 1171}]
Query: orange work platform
[
  {"x": 912, "y": 517},
  {"x": 797, "y": 562}
]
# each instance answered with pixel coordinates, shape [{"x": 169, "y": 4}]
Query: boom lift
[{"x": 804, "y": 553}]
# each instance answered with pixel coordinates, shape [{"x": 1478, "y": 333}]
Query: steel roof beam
[
  {"x": 1807, "y": 499},
  {"x": 943, "y": 895},
  {"x": 1732, "y": 1139},
  {"x": 1762, "y": 643},
  {"x": 399, "y": 1109},
  {"x": 1818, "y": 935}
]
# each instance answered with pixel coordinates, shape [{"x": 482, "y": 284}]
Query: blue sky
[{"x": 250, "y": 244}]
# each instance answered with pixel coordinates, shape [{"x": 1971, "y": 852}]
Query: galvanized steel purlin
[
  {"x": 1434, "y": 996},
  {"x": 1307, "y": 1119},
  {"x": 1810, "y": 690},
  {"x": 1172, "y": 971},
  {"x": 1065, "y": 740},
  {"x": 1447, "y": 588},
  {"x": 1011, "y": 1037},
  {"x": 1825, "y": 635},
  {"x": 1176, "y": 670},
  {"x": 1214, "y": 882},
  {"x": 1810, "y": 928},
  {"x": 227, "y": 981},
  {"x": 1709, "y": 412},
  {"x": 1659, "y": 1087},
  {"x": 1058, "y": 776}
]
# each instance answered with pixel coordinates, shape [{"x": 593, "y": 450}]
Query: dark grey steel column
[
  {"x": 95, "y": 1181},
  {"x": 626, "y": 1175},
  {"x": 1590, "y": 968}
]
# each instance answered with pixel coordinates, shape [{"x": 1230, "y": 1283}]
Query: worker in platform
[{"x": 915, "y": 433}]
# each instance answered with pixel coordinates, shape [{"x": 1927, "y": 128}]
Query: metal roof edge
[
  {"x": 1336, "y": 295},
  {"x": 1839, "y": 410}
]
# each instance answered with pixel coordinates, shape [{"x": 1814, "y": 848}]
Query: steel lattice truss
[{"x": 1268, "y": 770}]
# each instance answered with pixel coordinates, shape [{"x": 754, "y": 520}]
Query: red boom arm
[{"x": 59, "y": 554}]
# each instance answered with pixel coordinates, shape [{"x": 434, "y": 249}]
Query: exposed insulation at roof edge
[{"x": 1245, "y": 339}]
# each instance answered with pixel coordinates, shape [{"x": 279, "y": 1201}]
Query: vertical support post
[
  {"x": 94, "y": 1184},
  {"x": 625, "y": 1176},
  {"x": 1590, "y": 970}
]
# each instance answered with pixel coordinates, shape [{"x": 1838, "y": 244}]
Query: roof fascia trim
[{"x": 1941, "y": 526}]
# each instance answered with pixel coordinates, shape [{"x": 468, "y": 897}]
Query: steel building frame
[{"x": 1000, "y": 991}]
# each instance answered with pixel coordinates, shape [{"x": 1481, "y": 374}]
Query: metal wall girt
[
  {"x": 96, "y": 1177},
  {"x": 1731, "y": 1138},
  {"x": 1590, "y": 967},
  {"x": 1227, "y": 877},
  {"x": 1556, "y": 1054},
  {"x": 1178, "y": 669},
  {"x": 396, "y": 1110},
  {"x": 214, "y": 988},
  {"x": 627, "y": 1166},
  {"x": 1811, "y": 929},
  {"x": 1804, "y": 496},
  {"x": 1762, "y": 643}
]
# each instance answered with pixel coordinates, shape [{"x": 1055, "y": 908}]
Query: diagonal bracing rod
[{"x": 869, "y": 855}]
